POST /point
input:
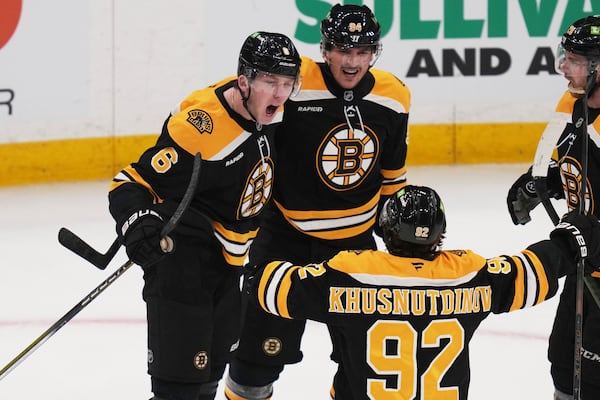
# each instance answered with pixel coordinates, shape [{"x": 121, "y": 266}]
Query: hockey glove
[
  {"x": 141, "y": 234},
  {"x": 579, "y": 235},
  {"x": 251, "y": 276},
  {"x": 522, "y": 197}
]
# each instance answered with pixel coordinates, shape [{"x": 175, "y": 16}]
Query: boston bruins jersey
[
  {"x": 236, "y": 173},
  {"x": 570, "y": 161},
  {"x": 353, "y": 149},
  {"x": 570, "y": 153},
  {"x": 402, "y": 326}
]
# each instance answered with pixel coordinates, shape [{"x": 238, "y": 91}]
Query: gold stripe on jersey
[
  {"x": 529, "y": 284},
  {"x": 566, "y": 104},
  {"x": 274, "y": 286},
  {"x": 333, "y": 224},
  {"x": 543, "y": 287},
  {"x": 130, "y": 175},
  {"x": 389, "y": 91},
  {"x": 312, "y": 81},
  {"x": 449, "y": 268},
  {"x": 235, "y": 244},
  {"x": 393, "y": 180},
  {"x": 389, "y": 86},
  {"x": 517, "y": 303}
]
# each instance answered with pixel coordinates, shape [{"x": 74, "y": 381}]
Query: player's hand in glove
[
  {"x": 251, "y": 276},
  {"x": 522, "y": 197},
  {"x": 579, "y": 235},
  {"x": 141, "y": 234}
]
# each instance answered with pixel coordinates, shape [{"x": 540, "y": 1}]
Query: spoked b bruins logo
[
  {"x": 259, "y": 187},
  {"x": 201, "y": 360},
  {"x": 346, "y": 156},
  {"x": 571, "y": 172},
  {"x": 272, "y": 346}
]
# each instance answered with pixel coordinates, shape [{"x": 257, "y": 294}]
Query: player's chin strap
[{"x": 245, "y": 104}]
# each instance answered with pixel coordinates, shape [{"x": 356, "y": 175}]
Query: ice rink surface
[{"x": 101, "y": 353}]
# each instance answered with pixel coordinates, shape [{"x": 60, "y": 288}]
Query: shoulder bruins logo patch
[{"x": 201, "y": 121}]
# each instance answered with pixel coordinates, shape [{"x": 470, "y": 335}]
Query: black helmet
[
  {"x": 350, "y": 26},
  {"x": 413, "y": 222},
  {"x": 268, "y": 52},
  {"x": 583, "y": 37}
]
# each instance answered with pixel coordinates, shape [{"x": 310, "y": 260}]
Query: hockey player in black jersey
[
  {"x": 341, "y": 152},
  {"x": 192, "y": 293},
  {"x": 403, "y": 319},
  {"x": 578, "y": 60}
]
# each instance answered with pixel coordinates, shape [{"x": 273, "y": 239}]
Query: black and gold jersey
[
  {"x": 402, "y": 326},
  {"x": 569, "y": 155},
  {"x": 236, "y": 176},
  {"x": 340, "y": 150},
  {"x": 569, "y": 149}
]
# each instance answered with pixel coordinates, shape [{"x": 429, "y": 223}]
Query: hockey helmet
[
  {"x": 348, "y": 26},
  {"x": 583, "y": 37},
  {"x": 413, "y": 222},
  {"x": 268, "y": 52}
]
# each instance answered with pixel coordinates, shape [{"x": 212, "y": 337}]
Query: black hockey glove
[
  {"x": 251, "y": 273},
  {"x": 579, "y": 235},
  {"x": 522, "y": 197},
  {"x": 141, "y": 234}
]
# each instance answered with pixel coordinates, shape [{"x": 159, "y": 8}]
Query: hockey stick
[
  {"x": 578, "y": 345},
  {"x": 543, "y": 155},
  {"x": 539, "y": 172},
  {"x": 63, "y": 320},
  {"x": 541, "y": 161},
  {"x": 78, "y": 246},
  {"x": 167, "y": 229}
]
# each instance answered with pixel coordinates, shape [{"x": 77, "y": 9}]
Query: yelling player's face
[
  {"x": 268, "y": 93},
  {"x": 575, "y": 69},
  {"x": 348, "y": 65}
]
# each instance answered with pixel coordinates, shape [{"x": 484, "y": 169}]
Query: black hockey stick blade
[
  {"x": 169, "y": 226},
  {"x": 78, "y": 246}
]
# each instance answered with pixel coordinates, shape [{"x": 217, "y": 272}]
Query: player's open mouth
[
  {"x": 350, "y": 71},
  {"x": 271, "y": 110}
]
